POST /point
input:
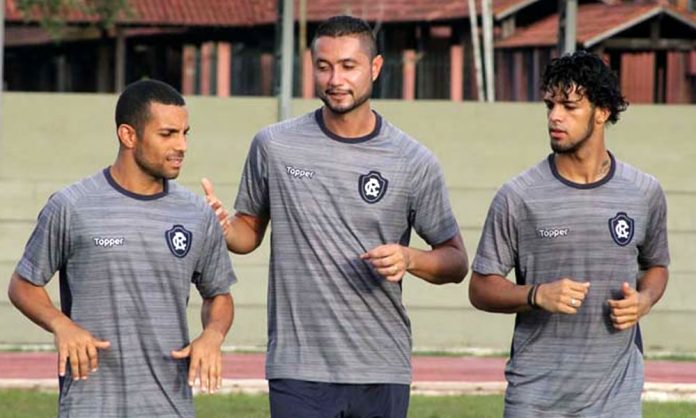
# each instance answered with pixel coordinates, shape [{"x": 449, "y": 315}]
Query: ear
[
  {"x": 377, "y": 63},
  {"x": 602, "y": 115},
  {"x": 126, "y": 135}
]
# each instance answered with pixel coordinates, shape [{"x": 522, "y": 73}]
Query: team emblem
[
  {"x": 621, "y": 228},
  {"x": 372, "y": 186},
  {"x": 179, "y": 240}
]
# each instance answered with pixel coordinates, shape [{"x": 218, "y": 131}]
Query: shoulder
[
  {"x": 632, "y": 177},
  {"x": 513, "y": 191},
  {"x": 535, "y": 176},
  {"x": 419, "y": 157},
  {"x": 285, "y": 129},
  {"x": 71, "y": 195}
]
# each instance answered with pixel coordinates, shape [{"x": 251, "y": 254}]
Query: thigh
[
  {"x": 291, "y": 398},
  {"x": 379, "y": 401}
]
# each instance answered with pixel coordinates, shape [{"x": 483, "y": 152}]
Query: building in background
[{"x": 223, "y": 48}]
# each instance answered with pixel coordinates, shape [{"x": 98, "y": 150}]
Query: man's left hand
[
  {"x": 626, "y": 312},
  {"x": 206, "y": 360},
  {"x": 389, "y": 260}
]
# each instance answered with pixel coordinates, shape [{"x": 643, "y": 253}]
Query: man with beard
[
  {"x": 128, "y": 242},
  {"x": 586, "y": 235},
  {"x": 343, "y": 188}
]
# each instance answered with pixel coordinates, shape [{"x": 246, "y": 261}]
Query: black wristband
[{"x": 531, "y": 297}]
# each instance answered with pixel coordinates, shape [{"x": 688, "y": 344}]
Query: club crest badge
[
  {"x": 372, "y": 186},
  {"x": 621, "y": 228},
  {"x": 179, "y": 240}
]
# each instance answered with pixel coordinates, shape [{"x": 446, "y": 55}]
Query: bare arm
[
  {"x": 443, "y": 263},
  {"x": 217, "y": 314},
  {"x": 635, "y": 304},
  {"x": 494, "y": 293},
  {"x": 73, "y": 343},
  {"x": 243, "y": 232}
]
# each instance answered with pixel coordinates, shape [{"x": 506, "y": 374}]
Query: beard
[
  {"x": 574, "y": 146},
  {"x": 344, "y": 108},
  {"x": 153, "y": 170}
]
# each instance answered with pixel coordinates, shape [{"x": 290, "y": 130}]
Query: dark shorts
[{"x": 302, "y": 399}]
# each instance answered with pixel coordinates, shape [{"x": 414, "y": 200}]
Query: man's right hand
[
  {"x": 222, "y": 214},
  {"x": 564, "y": 295},
  {"x": 77, "y": 346}
]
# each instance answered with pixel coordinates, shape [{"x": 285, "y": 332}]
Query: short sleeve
[
  {"x": 432, "y": 216},
  {"x": 655, "y": 250},
  {"x": 497, "y": 249},
  {"x": 252, "y": 197},
  {"x": 213, "y": 274},
  {"x": 48, "y": 247}
]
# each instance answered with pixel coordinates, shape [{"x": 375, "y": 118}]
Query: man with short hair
[
  {"x": 587, "y": 237},
  {"x": 128, "y": 242},
  {"x": 343, "y": 188}
]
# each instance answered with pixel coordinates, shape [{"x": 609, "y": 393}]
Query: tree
[{"x": 104, "y": 14}]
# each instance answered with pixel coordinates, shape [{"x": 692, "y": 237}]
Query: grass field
[{"x": 30, "y": 404}]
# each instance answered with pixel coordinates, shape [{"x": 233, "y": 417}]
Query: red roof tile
[
  {"x": 255, "y": 12},
  {"x": 595, "y": 22}
]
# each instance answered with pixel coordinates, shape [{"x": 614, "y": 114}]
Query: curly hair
[{"x": 590, "y": 76}]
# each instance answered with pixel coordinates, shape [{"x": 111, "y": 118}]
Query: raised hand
[{"x": 222, "y": 214}]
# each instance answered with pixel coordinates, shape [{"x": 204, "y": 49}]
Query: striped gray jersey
[
  {"x": 331, "y": 317},
  {"x": 605, "y": 233},
  {"x": 126, "y": 265}
]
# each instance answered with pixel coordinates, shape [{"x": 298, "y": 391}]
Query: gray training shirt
[
  {"x": 605, "y": 233},
  {"x": 331, "y": 317},
  {"x": 126, "y": 265}
]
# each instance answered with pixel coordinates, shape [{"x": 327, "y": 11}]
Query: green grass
[{"x": 32, "y": 404}]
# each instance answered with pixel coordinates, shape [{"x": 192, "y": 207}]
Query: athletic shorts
[{"x": 303, "y": 399}]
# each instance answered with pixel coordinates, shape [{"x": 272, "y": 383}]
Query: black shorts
[{"x": 303, "y": 399}]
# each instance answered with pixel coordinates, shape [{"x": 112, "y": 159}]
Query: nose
[
  {"x": 336, "y": 78},
  {"x": 555, "y": 113},
  {"x": 181, "y": 143}
]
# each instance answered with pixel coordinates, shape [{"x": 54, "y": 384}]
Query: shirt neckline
[
  {"x": 319, "y": 117},
  {"x": 584, "y": 186},
  {"x": 137, "y": 196}
]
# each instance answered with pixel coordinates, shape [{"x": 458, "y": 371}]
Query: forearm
[
  {"x": 33, "y": 301},
  {"x": 244, "y": 233},
  {"x": 652, "y": 285},
  {"x": 442, "y": 264},
  {"x": 495, "y": 293},
  {"x": 217, "y": 314}
]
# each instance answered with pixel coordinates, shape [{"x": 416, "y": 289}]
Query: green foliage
[{"x": 52, "y": 14}]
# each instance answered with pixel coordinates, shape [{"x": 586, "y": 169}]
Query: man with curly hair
[{"x": 587, "y": 237}]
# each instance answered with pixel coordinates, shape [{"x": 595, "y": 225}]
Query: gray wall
[{"x": 50, "y": 140}]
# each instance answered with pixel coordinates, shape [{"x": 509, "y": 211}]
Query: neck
[
  {"x": 128, "y": 175},
  {"x": 585, "y": 166},
  {"x": 357, "y": 123}
]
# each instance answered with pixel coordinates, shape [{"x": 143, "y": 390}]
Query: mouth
[
  {"x": 556, "y": 133},
  {"x": 176, "y": 161},
  {"x": 339, "y": 94}
]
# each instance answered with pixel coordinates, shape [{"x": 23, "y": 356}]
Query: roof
[
  {"x": 595, "y": 23},
  {"x": 259, "y": 12}
]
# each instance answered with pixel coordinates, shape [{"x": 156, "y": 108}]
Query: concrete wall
[{"x": 50, "y": 140}]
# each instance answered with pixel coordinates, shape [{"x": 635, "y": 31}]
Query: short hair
[
  {"x": 338, "y": 26},
  {"x": 133, "y": 106},
  {"x": 592, "y": 78}
]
